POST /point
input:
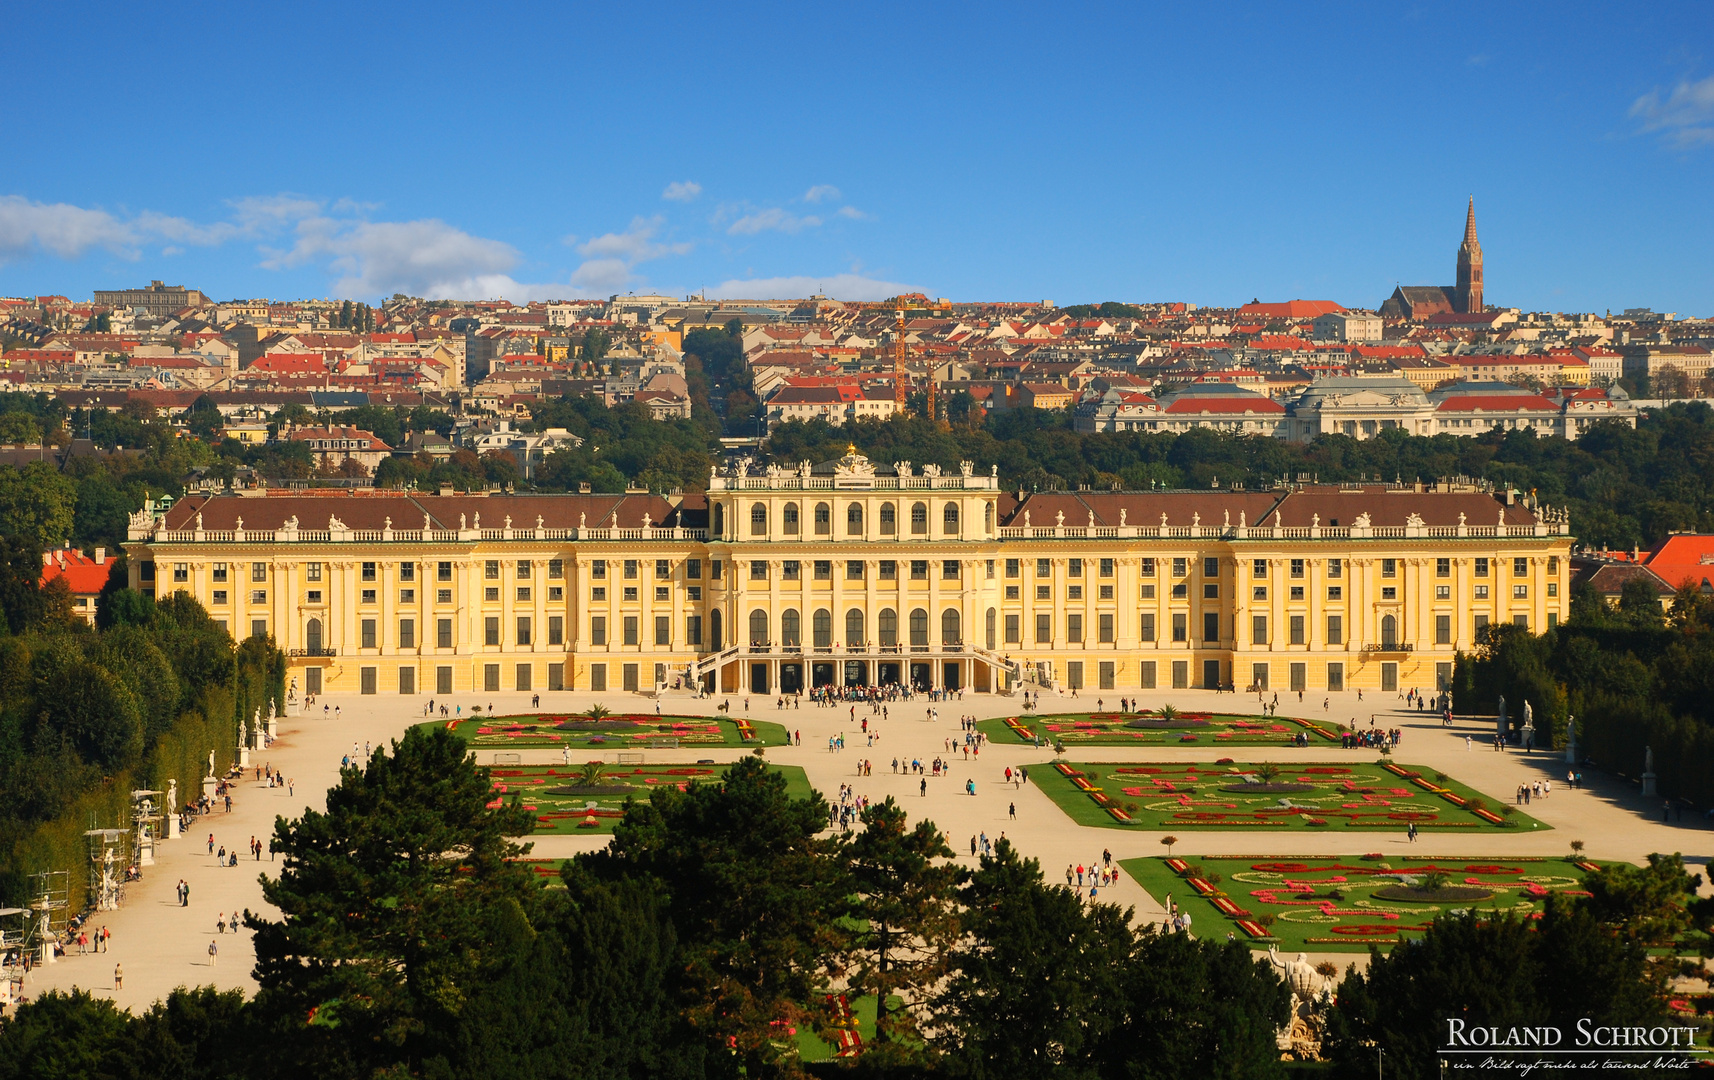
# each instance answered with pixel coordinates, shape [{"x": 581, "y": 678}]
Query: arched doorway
[{"x": 312, "y": 637}]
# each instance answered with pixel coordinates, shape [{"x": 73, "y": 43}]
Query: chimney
[
  {"x": 47, "y": 558},
  {"x": 583, "y": 487},
  {"x": 100, "y": 556}
]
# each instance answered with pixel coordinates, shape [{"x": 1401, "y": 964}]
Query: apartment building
[{"x": 854, "y": 573}]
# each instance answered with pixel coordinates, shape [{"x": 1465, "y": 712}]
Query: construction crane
[
  {"x": 899, "y": 394},
  {"x": 900, "y": 353}
]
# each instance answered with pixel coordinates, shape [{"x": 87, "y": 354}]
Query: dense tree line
[
  {"x": 1624, "y": 487},
  {"x": 712, "y": 930},
  {"x": 83, "y": 711},
  {"x": 1633, "y": 676}
]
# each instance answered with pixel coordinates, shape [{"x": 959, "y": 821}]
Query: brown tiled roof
[
  {"x": 1340, "y": 506},
  {"x": 370, "y": 510},
  {"x": 1142, "y": 507}
]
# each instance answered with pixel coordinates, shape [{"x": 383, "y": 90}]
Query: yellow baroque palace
[{"x": 854, "y": 574}]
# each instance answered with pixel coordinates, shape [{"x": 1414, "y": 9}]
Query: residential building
[
  {"x": 84, "y": 575},
  {"x": 835, "y": 403},
  {"x": 1347, "y": 326},
  {"x": 528, "y": 449},
  {"x": 333, "y": 446}
]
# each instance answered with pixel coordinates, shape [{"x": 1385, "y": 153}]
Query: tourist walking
[{"x": 213, "y": 953}]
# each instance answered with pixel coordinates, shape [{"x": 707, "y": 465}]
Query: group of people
[
  {"x": 1099, "y": 874},
  {"x": 1537, "y": 789},
  {"x": 1383, "y": 739},
  {"x": 842, "y": 812},
  {"x": 93, "y": 942}
]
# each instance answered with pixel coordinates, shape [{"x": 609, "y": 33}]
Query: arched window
[
  {"x": 949, "y": 519},
  {"x": 949, "y": 627},
  {"x": 988, "y": 517},
  {"x": 823, "y": 519},
  {"x": 758, "y": 627},
  {"x": 889, "y": 520},
  {"x": 854, "y": 628},
  {"x": 714, "y": 630},
  {"x": 919, "y": 627},
  {"x": 758, "y": 520},
  {"x": 823, "y": 624},
  {"x": 854, "y": 520},
  {"x": 887, "y": 626},
  {"x": 919, "y": 519},
  {"x": 1389, "y": 631},
  {"x": 788, "y": 516},
  {"x": 719, "y": 518},
  {"x": 791, "y": 632},
  {"x": 992, "y": 618},
  {"x": 312, "y": 636}
]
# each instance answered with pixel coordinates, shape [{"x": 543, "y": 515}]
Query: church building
[{"x": 1416, "y": 302}]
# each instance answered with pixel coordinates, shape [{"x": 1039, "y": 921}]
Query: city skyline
[{"x": 1156, "y": 159}]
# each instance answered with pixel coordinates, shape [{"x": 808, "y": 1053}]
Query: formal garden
[
  {"x": 1348, "y": 903},
  {"x": 590, "y": 797},
  {"x": 1292, "y": 795},
  {"x": 600, "y": 729},
  {"x": 1166, "y": 726}
]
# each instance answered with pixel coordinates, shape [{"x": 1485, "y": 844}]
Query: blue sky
[{"x": 1070, "y": 152}]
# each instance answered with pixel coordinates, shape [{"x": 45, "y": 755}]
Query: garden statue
[
  {"x": 211, "y": 763},
  {"x": 1650, "y": 781},
  {"x": 1311, "y": 994}
]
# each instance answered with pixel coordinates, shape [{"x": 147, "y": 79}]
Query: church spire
[{"x": 1468, "y": 292}]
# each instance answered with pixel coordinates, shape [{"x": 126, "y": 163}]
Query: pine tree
[{"x": 909, "y": 917}]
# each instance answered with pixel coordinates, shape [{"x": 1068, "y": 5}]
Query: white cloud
[
  {"x": 1685, "y": 116},
  {"x": 636, "y": 244},
  {"x": 602, "y": 276},
  {"x": 60, "y": 229},
  {"x": 682, "y": 191},
  {"x": 853, "y": 213},
  {"x": 838, "y": 286},
  {"x": 820, "y": 192},
  {"x": 773, "y": 219},
  {"x": 423, "y": 258},
  {"x": 611, "y": 256}
]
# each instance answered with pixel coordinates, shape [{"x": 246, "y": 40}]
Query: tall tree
[
  {"x": 1196, "y": 1008},
  {"x": 908, "y": 923},
  {"x": 757, "y": 900},
  {"x": 398, "y": 908},
  {"x": 1036, "y": 987}
]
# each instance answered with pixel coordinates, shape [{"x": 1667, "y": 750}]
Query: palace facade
[{"x": 852, "y": 574}]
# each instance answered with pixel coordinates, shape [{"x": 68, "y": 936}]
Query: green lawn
[
  {"x": 1328, "y": 903},
  {"x": 1190, "y": 729},
  {"x": 1340, "y": 795},
  {"x": 617, "y": 731},
  {"x": 569, "y": 813},
  {"x": 812, "y": 1048}
]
